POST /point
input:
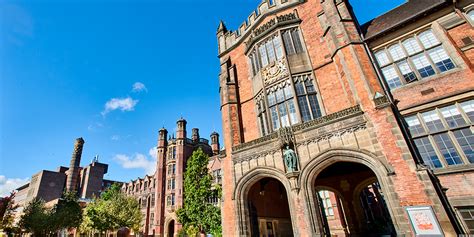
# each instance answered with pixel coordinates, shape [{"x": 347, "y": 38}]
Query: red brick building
[
  {"x": 377, "y": 119},
  {"x": 161, "y": 194},
  {"x": 87, "y": 181}
]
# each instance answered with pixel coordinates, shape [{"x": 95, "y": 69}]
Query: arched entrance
[
  {"x": 268, "y": 209},
  {"x": 171, "y": 229},
  {"x": 357, "y": 202}
]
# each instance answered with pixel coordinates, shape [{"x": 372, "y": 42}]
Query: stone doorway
[
  {"x": 351, "y": 201},
  {"x": 268, "y": 209},
  {"x": 171, "y": 229}
]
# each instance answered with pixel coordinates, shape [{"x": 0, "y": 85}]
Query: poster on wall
[{"x": 423, "y": 221}]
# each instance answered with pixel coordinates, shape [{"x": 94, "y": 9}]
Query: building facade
[
  {"x": 335, "y": 128},
  {"x": 161, "y": 194},
  {"x": 49, "y": 186}
]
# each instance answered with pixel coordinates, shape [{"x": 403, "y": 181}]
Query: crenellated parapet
[{"x": 227, "y": 40}]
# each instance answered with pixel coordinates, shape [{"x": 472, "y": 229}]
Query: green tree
[
  {"x": 7, "y": 213},
  {"x": 197, "y": 214},
  {"x": 111, "y": 211},
  {"x": 67, "y": 213},
  {"x": 36, "y": 218}
]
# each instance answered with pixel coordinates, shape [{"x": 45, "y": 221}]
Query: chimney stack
[
  {"x": 72, "y": 181},
  {"x": 181, "y": 131},
  {"x": 195, "y": 136},
  {"x": 215, "y": 143}
]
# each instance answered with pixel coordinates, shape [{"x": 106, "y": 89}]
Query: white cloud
[
  {"x": 137, "y": 161},
  {"x": 139, "y": 87},
  {"x": 153, "y": 152},
  {"x": 95, "y": 126},
  {"x": 123, "y": 104},
  {"x": 7, "y": 185},
  {"x": 115, "y": 137}
]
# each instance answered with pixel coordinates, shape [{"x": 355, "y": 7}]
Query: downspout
[{"x": 411, "y": 146}]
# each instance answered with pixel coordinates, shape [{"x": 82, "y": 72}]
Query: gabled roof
[{"x": 399, "y": 15}]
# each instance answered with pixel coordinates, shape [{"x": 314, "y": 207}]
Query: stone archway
[
  {"x": 171, "y": 228},
  {"x": 321, "y": 167},
  {"x": 246, "y": 194}
]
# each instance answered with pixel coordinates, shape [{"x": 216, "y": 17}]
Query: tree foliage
[
  {"x": 111, "y": 211},
  {"x": 197, "y": 214},
  {"x": 67, "y": 213},
  {"x": 41, "y": 221},
  {"x": 36, "y": 218},
  {"x": 7, "y": 212}
]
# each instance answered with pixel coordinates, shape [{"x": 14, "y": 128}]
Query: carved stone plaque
[{"x": 275, "y": 72}]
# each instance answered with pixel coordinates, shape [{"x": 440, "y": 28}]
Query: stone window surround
[
  {"x": 265, "y": 113},
  {"x": 461, "y": 212},
  {"x": 279, "y": 33},
  {"x": 467, "y": 11},
  {"x": 408, "y": 58},
  {"x": 446, "y": 130}
]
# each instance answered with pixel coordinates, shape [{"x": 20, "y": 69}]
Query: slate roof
[{"x": 399, "y": 15}]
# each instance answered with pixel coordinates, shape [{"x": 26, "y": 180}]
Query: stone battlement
[{"x": 229, "y": 39}]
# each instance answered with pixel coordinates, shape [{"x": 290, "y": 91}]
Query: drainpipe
[{"x": 411, "y": 145}]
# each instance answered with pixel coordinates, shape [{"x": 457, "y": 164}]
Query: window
[
  {"x": 281, "y": 105},
  {"x": 292, "y": 41},
  {"x": 217, "y": 176},
  {"x": 326, "y": 200},
  {"x": 152, "y": 219},
  {"x": 391, "y": 77},
  {"x": 468, "y": 108},
  {"x": 467, "y": 215},
  {"x": 444, "y": 136},
  {"x": 415, "y": 126},
  {"x": 307, "y": 98},
  {"x": 172, "y": 153},
  {"x": 153, "y": 200},
  {"x": 171, "y": 184},
  {"x": 266, "y": 53},
  {"x": 170, "y": 200},
  {"x": 286, "y": 105},
  {"x": 409, "y": 60},
  {"x": 262, "y": 116},
  {"x": 171, "y": 169}
]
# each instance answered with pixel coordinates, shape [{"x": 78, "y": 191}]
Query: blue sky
[{"x": 112, "y": 72}]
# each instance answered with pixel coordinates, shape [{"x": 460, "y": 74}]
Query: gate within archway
[
  {"x": 357, "y": 201},
  {"x": 268, "y": 209}
]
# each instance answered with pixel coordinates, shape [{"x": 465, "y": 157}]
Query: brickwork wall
[{"x": 345, "y": 77}]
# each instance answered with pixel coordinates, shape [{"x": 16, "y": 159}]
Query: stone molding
[{"x": 316, "y": 123}]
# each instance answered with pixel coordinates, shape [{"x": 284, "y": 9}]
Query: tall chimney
[
  {"x": 215, "y": 143},
  {"x": 181, "y": 130},
  {"x": 73, "y": 172},
  {"x": 195, "y": 136}
]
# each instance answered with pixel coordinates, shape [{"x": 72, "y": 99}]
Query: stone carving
[
  {"x": 285, "y": 134},
  {"x": 275, "y": 72},
  {"x": 274, "y": 21},
  {"x": 291, "y": 160},
  {"x": 381, "y": 100},
  {"x": 329, "y": 118},
  {"x": 337, "y": 133}
]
